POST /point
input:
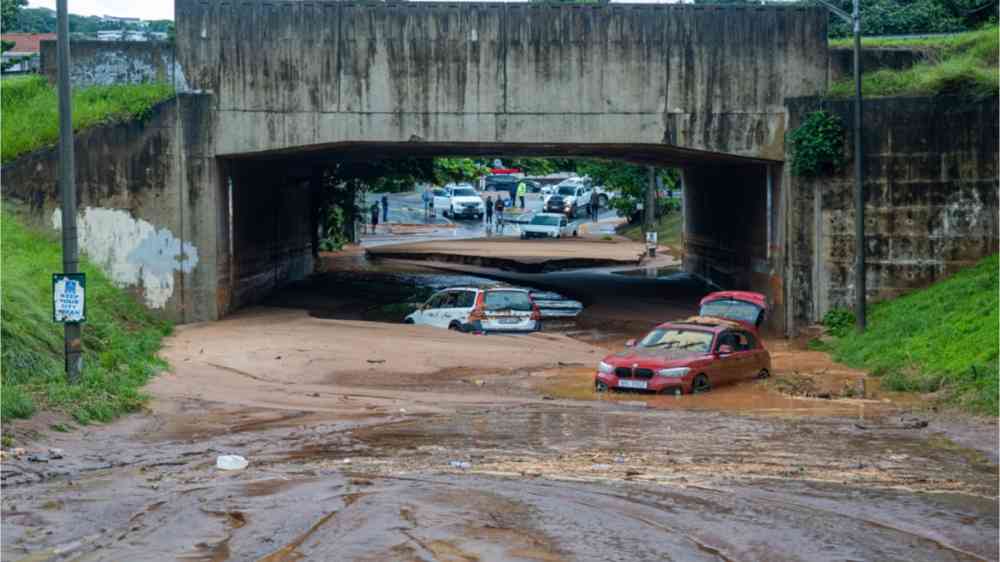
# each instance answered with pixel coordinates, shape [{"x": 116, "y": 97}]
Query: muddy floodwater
[{"x": 372, "y": 440}]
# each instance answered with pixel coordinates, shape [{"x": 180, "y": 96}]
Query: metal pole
[
  {"x": 649, "y": 208},
  {"x": 67, "y": 188},
  {"x": 859, "y": 182}
]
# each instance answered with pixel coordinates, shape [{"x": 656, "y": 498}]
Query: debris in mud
[
  {"x": 464, "y": 465},
  {"x": 904, "y": 423},
  {"x": 231, "y": 462},
  {"x": 376, "y": 361}
]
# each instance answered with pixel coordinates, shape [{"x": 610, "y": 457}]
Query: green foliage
[
  {"x": 963, "y": 64},
  {"x": 120, "y": 338},
  {"x": 9, "y": 10},
  {"x": 456, "y": 170},
  {"x": 839, "y": 321},
  {"x": 668, "y": 230},
  {"x": 31, "y": 114},
  {"x": 817, "y": 145},
  {"x": 901, "y": 17},
  {"x": 334, "y": 228},
  {"x": 943, "y": 337}
]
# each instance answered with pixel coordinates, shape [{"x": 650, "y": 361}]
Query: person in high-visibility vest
[{"x": 522, "y": 190}]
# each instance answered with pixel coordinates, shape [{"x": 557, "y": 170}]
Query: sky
[{"x": 146, "y": 9}]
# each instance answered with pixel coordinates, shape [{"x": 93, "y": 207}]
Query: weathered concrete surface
[
  {"x": 147, "y": 213},
  {"x": 115, "y": 62},
  {"x": 872, "y": 59},
  {"x": 931, "y": 201},
  {"x": 318, "y": 73}
]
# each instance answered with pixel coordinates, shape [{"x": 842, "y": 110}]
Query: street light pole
[
  {"x": 67, "y": 188},
  {"x": 860, "y": 248}
]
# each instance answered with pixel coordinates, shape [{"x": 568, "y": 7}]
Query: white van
[{"x": 479, "y": 310}]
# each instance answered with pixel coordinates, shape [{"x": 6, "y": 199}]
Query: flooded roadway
[{"x": 364, "y": 445}]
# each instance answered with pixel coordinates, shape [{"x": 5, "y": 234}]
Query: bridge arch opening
[{"x": 731, "y": 209}]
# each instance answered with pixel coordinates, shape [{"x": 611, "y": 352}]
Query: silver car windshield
[
  {"x": 567, "y": 190},
  {"x": 463, "y": 192}
]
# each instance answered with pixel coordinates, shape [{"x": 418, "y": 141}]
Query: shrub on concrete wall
[{"x": 817, "y": 146}]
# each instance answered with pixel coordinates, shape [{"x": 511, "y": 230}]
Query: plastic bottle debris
[
  {"x": 464, "y": 465},
  {"x": 231, "y": 462}
]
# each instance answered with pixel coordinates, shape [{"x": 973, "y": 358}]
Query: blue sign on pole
[{"x": 69, "y": 297}]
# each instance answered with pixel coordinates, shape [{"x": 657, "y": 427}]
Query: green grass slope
[
  {"x": 944, "y": 337},
  {"x": 30, "y": 110},
  {"x": 965, "y": 63},
  {"x": 120, "y": 337}
]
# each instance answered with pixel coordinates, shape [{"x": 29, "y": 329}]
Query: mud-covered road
[{"x": 378, "y": 441}]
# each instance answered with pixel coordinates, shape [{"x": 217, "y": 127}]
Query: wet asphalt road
[{"x": 408, "y": 209}]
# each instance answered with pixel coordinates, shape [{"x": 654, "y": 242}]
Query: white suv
[
  {"x": 461, "y": 200},
  {"x": 479, "y": 310}
]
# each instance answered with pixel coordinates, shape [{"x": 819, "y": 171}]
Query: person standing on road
[
  {"x": 489, "y": 210},
  {"x": 499, "y": 209},
  {"x": 522, "y": 190},
  {"x": 374, "y": 211},
  {"x": 595, "y": 208},
  {"x": 385, "y": 208}
]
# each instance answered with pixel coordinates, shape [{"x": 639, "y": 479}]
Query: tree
[
  {"x": 9, "y": 10},
  {"x": 629, "y": 180}
]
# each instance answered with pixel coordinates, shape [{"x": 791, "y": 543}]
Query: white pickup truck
[
  {"x": 459, "y": 201},
  {"x": 571, "y": 197}
]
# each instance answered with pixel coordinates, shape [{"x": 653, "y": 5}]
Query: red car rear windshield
[
  {"x": 732, "y": 309},
  {"x": 507, "y": 300},
  {"x": 672, "y": 338}
]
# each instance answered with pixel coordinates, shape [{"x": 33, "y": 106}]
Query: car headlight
[
  {"x": 603, "y": 367},
  {"x": 673, "y": 373}
]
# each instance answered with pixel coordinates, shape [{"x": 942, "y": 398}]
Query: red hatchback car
[{"x": 692, "y": 355}]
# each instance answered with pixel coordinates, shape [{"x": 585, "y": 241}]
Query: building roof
[{"x": 27, "y": 42}]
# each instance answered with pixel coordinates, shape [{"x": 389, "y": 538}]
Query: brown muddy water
[{"x": 481, "y": 463}]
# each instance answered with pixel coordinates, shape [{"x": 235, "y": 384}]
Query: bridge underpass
[{"x": 730, "y": 208}]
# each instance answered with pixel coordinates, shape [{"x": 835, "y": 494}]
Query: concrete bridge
[
  {"x": 217, "y": 186},
  {"x": 289, "y": 85}
]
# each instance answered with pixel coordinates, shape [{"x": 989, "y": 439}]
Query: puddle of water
[
  {"x": 749, "y": 397},
  {"x": 672, "y": 272}
]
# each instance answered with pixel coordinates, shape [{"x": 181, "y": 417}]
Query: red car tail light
[{"x": 479, "y": 311}]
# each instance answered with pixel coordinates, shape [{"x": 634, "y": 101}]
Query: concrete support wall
[
  {"x": 303, "y": 74},
  {"x": 148, "y": 211},
  {"x": 115, "y": 62},
  {"x": 731, "y": 233},
  {"x": 872, "y": 59},
  {"x": 271, "y": 222},
  {"x": 931, "y": 201}
]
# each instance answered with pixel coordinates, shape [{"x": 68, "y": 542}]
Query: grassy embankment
[
  {"x": 668, "y": 230},
  {"x": 31, "y": 111},
  {"x": 964, "y": 63},
  {"x": 120, "y": 337},
  {"x": 942, "y": 338}
]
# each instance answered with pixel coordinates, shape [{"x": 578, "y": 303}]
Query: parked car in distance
[
  {"x": 742, "y": 306},
  {"x": 548, "y": 225},
  {"x": 479, "y": 310},
  {"x": 459, "y": 201},
  {"x": 686, "y": 356}
]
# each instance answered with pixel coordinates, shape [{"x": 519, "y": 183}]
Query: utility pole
[
  {"x": 860, "y": 248},
  {"x": 649, "y": 212},
  {"x": 67, "y": 188}
]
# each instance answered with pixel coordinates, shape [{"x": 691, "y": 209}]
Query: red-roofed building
[{"x": 26, "y": 46}]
